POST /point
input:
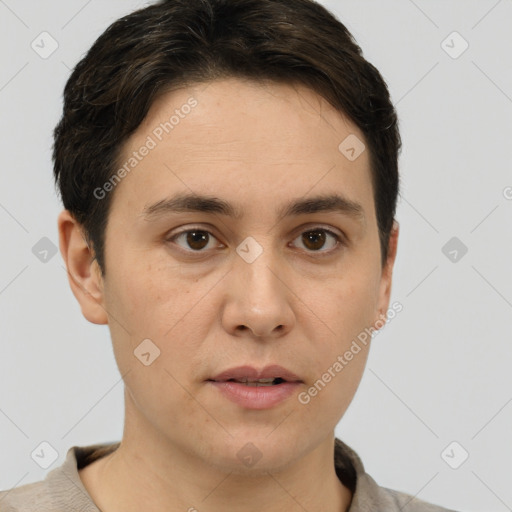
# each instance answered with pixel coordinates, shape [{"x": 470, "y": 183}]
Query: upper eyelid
[{"x": 303, "y": 229}]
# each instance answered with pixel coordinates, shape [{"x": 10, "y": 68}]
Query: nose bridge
[
  {"x": 255, "y": 266},
  {"x": 260, "y": 301}
]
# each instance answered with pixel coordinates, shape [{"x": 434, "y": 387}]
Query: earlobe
[{"x": 83, "y": 272}]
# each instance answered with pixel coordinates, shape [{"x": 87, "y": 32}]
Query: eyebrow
[{"x": 183, "y": 203}]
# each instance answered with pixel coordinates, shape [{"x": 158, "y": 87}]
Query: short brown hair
[{"x": 178, "y": 42}]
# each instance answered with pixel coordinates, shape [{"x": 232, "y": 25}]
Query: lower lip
[{"x": 256, "y": 397}]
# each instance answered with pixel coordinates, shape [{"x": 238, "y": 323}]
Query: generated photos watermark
[{"x": 343, "y": 360}]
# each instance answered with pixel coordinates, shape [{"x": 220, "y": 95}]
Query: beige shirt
[{"x": 63, "y": 491}]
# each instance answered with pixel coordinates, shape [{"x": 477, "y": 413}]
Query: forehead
[{"x": 246, "y": 142}]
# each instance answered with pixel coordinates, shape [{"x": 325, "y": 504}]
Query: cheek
[
  {"x": 149, "y": 297},
  {"x": 337, "y": 365},
  {"x": 154, "y": 305},
  {"x": 343, "y": 307},
  {"x": 157, "y": 303},
  {"x": 340, "y": 338}
]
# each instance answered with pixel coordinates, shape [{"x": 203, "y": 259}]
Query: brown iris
[
  {"x": 314, "y": 240},
  {"x": 197, "y": 239}
]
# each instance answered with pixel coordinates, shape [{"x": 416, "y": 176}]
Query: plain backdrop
[{"x": 437, "y": 388}]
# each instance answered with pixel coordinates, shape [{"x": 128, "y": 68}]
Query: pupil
[{"x": 312, "y": 238}]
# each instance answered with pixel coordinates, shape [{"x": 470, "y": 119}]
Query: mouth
[
  {"x": 250, "y": 388},
  {"x": 254, "y": 383},
  {"x": 273, "y": 375}
]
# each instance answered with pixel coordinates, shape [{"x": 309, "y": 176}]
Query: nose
[{"x": 258, "y": 299}]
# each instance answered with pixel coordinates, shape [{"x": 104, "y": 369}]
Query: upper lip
[{"x": 248, "y": 372}]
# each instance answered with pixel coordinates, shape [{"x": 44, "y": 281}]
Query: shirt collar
[{"x": 64, "y": 483}]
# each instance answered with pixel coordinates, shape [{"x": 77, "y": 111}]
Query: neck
[{"x": 149, "y": 472}]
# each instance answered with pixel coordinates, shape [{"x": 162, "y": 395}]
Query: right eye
[{"x": 196, "y": 239}]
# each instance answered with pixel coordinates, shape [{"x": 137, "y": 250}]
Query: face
[{"x": 279, "y": 264}]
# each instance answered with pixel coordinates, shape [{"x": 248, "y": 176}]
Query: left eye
[
  {"x": 312, "y": 239},
  {"x": 315, "y": 239}
]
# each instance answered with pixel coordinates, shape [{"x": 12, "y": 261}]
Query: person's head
[
  {"x": 178, "y": 42},
  {"x": 255, "y": 105}
]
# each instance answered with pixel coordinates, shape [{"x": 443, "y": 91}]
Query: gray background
[{"x": 438, "y": 373}]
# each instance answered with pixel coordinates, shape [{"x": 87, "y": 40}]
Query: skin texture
[{"x": 257, "y": 146}]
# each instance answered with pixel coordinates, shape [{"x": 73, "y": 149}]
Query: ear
[
  {"x": 387, "y": 278},
  {"x": 83, "y": 270}
]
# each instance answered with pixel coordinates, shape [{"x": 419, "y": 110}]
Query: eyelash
[{"x": 338, "y": 238}]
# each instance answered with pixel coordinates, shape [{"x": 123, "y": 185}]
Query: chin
[{"x": 255, "y": 455}]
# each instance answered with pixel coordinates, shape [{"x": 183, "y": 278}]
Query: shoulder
[
  {"x": 62, "y": 488},
  {"x": 42, "y": 497},
  {"x": 370, "y": 496},
  {"x": 367, "y": 495},
  {"x": 17, "y": 499},
  {"x": 401, "y": 501}
]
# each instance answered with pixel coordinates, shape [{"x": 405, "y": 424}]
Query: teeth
[{"x": 257, "y": 383}]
